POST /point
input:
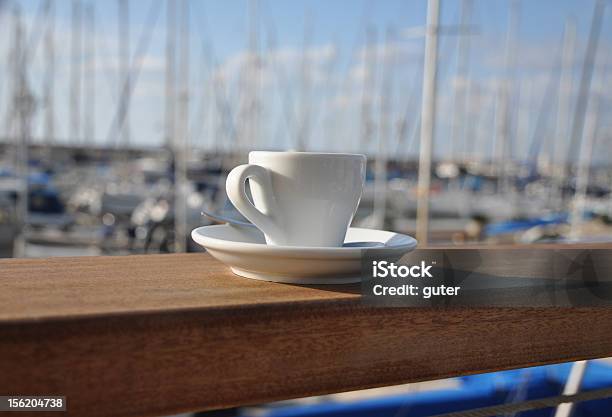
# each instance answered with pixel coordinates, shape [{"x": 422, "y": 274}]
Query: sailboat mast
[
  {"x": 561, "y": 136},
  {"x": 380, "y": 168},
  {"x": 459, "y": 86},
  {"x": 428, "y": 108},
  {"x": 369, "y": 81},
  {"x": 124, "y": 66},
  {"x": 584, "y": 165},
  {"x": 181, "y": 142},
  {"x": 170, "y": 74},
  {"x": 90, "y": 94},
  {"x": 23, "y": 102},
  {"x": 303, "y": 132},
  {"x": 75, "y": 73},
  {"x": 582, "y": 101},
  {"x": 254, "y": 77},
  {"x": 49, "y": 84},
  {"x": 586, "y": 151},
  {"x": 524, "y": 112},
  {"x": 502, "y": 116}
]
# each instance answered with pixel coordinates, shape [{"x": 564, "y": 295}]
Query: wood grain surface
[{"x": 163, "y": 334}]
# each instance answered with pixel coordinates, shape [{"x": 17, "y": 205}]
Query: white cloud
[
  {"x": 375, "y": 58},
  {"x": 268, "y": 66}
]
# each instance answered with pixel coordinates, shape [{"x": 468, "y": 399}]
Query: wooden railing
[{"x": 162, "y": 334}]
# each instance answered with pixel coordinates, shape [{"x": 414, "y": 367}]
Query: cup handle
[{"x": 235, "y": 187}]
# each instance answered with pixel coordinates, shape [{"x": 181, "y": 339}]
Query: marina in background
[{"x": 79, "y": 195}]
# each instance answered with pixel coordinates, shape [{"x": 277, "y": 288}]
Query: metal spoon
[{"x": 223, "y": 219}]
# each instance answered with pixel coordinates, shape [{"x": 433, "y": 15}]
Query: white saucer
[{"x": 245, "y": 251}]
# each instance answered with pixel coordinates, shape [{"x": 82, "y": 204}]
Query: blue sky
[{"x": 339, "y": 59}]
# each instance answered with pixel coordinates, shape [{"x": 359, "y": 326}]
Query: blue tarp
[
  {"x": 473, "y": 392},
  {"x": 518, "y": 225}
]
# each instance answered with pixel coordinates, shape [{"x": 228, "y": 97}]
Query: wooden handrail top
[
  {"x": 52, "y": 288},
  {"x": 55, "y": 288}
]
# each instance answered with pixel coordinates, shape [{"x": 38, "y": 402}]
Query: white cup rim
[{"x": 307, "y": 154}]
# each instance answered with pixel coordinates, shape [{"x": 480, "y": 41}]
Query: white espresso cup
[{"x": 299, "y": 198}]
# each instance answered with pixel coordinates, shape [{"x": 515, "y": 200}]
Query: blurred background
[
  {"x": 483, "y": 121},
  {"x": 120, "y": 119}
]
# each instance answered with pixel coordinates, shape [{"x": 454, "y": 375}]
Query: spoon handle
[{"x": 222, "y": 219}]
